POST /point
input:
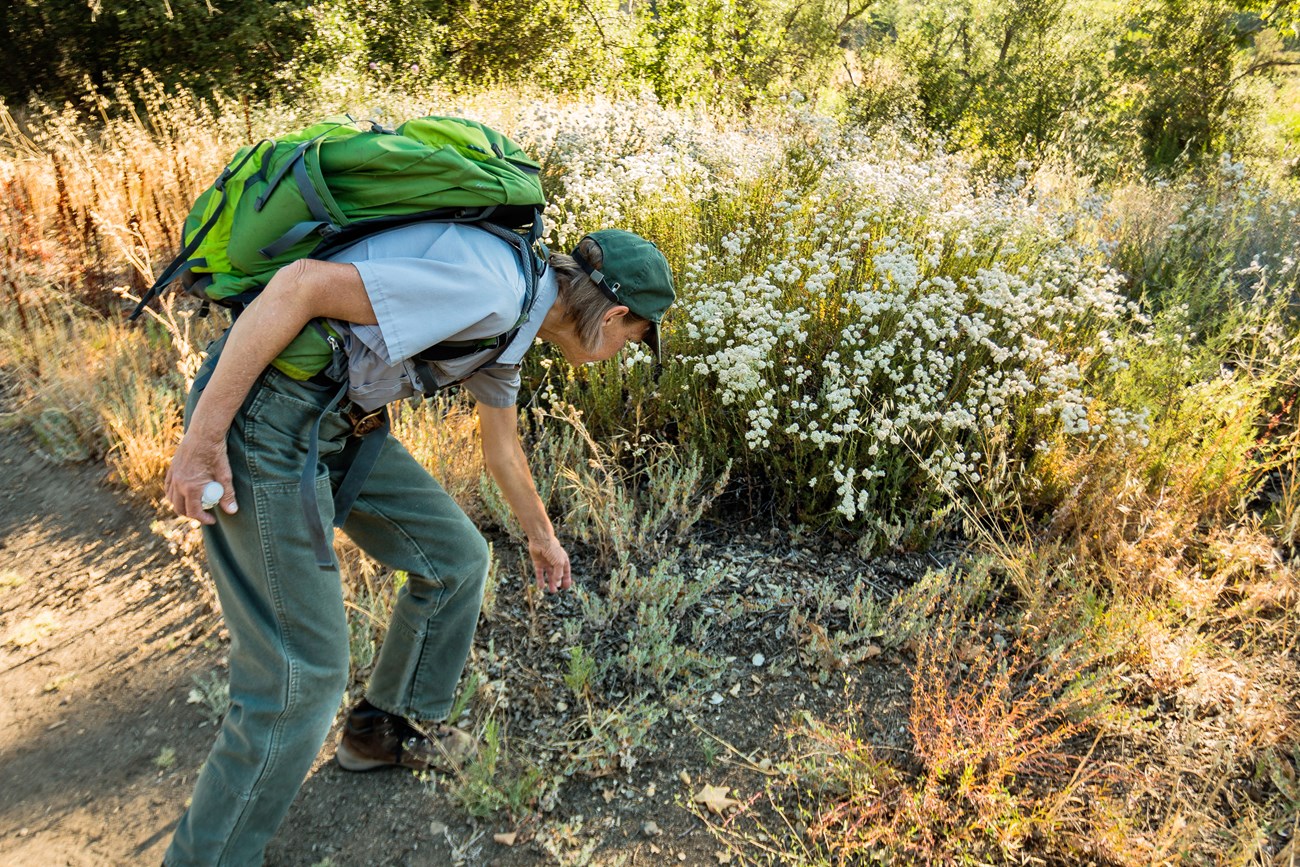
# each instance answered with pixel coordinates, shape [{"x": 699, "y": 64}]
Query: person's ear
[{"x": 614, "y": 314}]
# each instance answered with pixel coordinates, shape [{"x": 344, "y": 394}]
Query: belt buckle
[{"x": 365, "y": 424}]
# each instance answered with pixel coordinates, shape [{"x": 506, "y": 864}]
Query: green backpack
[{"x": 310, "y": 193}]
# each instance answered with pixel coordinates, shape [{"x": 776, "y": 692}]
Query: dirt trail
[
  {"x": 99, "y": 638},
  {"x": 102, "y": 634}
]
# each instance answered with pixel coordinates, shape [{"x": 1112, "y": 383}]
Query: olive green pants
[{"x": 288, "y": 632}]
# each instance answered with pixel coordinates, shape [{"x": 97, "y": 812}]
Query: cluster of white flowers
[
  {"x": 614, "y": 161},
  {"x": 890, "y": 309}
]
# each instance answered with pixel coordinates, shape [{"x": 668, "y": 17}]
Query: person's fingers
[
  {"x": 564, "y": 579},
  {"x": 228, "y": 504},
  {"x": 194, "y": 506},
  {"x": 551, "y": 568},
  {"x": 226, "y": 478}
]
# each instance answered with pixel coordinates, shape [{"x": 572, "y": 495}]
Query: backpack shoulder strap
[{"x": 533, "y": 267}]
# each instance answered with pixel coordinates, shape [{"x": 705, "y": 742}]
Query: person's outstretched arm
[
  {"x": 505, "y": 460},
  {"x": 298, "y": 293}
]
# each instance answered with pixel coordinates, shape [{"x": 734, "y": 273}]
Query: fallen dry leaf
[
  {"x": 506, "y": 839},
  {"x": 715, "y": 799},
  {"x": 723, "y": 857}
]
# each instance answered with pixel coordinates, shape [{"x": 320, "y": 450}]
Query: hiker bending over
[{"x": 294, "y": 460}]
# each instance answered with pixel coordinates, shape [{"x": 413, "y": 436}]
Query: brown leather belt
[{"x": 364, "y": 422}]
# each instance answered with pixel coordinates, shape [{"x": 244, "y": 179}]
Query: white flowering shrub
[
  {"x": 638, "y": 165},
  {"x": 861, "y": 325},
  {"x": 884, "y": 328}
]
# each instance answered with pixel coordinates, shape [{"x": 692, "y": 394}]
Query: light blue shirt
[{"x": 431, "y": 282}]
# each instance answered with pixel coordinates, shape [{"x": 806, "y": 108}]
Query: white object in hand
[{"x": 212, "y": 493}]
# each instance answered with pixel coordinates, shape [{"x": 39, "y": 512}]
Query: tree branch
[{"x": 1260, "y": 66}]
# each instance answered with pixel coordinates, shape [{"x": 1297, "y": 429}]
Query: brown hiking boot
[{"x": 373, "y": 738}]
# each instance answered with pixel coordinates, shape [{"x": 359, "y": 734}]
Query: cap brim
[{"x": 651, "y": 340}]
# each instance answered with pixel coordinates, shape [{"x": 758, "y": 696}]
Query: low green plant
[
  {"x": 916, "y": 610},
  {"x": 58, "y": 437},
  {"x": 710, "y": 749},
  {"x": 166, "y": 759},
  {"x": 836, "y": 628},
  {"x": 656, "y": 612},
  {"x": 632, "y": 498},
  {"x": 368, "y": 614},
  {"x": 581, "y": 669},
  {"x": 498, "y": 780},
  {"x": 612, "y": 740},
  {"x": 211, "y": 694},
  {"x": 471, "y": 681}
]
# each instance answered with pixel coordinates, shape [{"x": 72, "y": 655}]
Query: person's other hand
[
  {"x": 551, "y": 564},
  {"x": 194, "y": 465}
]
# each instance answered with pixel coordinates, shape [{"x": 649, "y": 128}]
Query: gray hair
[{"x": 585, "y": 305}]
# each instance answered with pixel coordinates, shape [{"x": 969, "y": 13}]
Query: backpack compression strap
[{"x": 183, "y": 263}]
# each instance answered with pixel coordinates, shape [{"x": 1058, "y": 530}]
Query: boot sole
[{"x": 351, "y": 761}]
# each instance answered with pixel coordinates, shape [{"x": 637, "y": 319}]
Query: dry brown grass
[{"x": 1201, "y": 598}]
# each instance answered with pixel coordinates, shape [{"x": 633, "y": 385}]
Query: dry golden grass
[
  {"x": 1203, "y": 622},
  {"x": 442, "y": 434}
]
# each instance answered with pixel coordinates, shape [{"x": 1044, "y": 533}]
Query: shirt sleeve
[{"x": 494, "y": 386}]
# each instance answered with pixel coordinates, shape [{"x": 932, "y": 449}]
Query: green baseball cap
[{"x": 634, "y": 273}]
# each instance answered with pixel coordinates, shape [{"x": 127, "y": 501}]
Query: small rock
[
  {"x": 437, "y": 829},
  {"x": 758, "y": 660},
  {"x": 716, "y": 698},
  {"x": 650, "y": 829}
]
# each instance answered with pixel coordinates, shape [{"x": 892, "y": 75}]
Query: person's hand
[
  {"x": 551, "y": 563},
  {"x": 195, "y": 464}
]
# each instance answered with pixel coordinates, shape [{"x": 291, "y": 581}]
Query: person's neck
[{"x": 556, "y": 328}]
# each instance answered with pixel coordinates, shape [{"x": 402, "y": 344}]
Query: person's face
[{"x": 615, "y": 333}]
